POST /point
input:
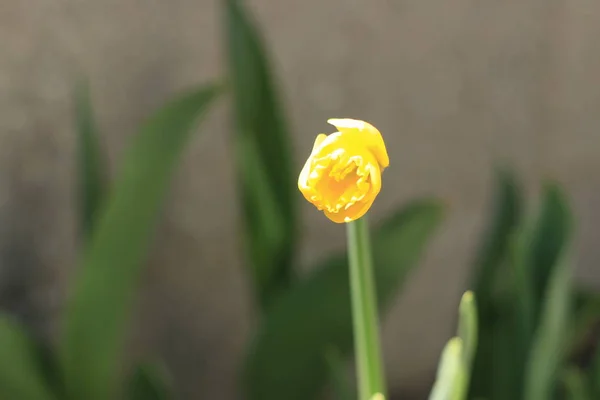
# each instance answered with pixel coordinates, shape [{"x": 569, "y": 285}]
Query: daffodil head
[{"x": 342, "y": 175}]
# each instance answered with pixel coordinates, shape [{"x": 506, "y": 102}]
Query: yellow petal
[
  {"x": 353, "y": 213},
  {"x": 319, "y": 140},
  {"x": 368, "y": 133}
]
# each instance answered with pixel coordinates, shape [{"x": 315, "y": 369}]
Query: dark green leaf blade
[
  {"x": 576, "y": 384},
  {"x": 149, "y": 382},
  {"x": 547, "y": 353},
  {"x": 550, "y": 270},
  {"x": 505, "y": 216},
  {"x": 265, "y": 175},
  {"x": 341, "y": 387},
  {"x": 287, "y": 354},
  {"x": 549, "y": 236},
  {"x": 98, "y": 309},
  {"x": 91, "y": 166},
  {"x": 21, "y": 374},
  {"x": 595, "y": 373}
]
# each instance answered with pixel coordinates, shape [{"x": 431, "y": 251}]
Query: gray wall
[{"x": 453, "y": 86}]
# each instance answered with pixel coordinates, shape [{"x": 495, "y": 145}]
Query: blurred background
[{"x": 454, "y": 87}]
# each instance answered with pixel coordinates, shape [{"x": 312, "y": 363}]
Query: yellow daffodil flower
[{"x": 342, "y": 175}]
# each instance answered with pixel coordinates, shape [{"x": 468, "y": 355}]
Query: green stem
[{"x": 369, "y": 367}]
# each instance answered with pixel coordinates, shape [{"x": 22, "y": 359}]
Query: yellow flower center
[{"x": 339, "y": 181}]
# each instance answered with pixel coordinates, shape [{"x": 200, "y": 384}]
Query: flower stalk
[{"x": 367, "y": 348}]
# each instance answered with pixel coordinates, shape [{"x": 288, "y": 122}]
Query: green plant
[
  {"x": 118, "y": 228},
  {"x": 302, "y": 317},
  {"x": 455, "y": 367},
  {"x": 526, "y": 298}
]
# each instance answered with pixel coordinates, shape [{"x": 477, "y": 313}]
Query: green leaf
[
  {"x": 541, "y": 246},
  {"x": 548, "y": 240},
  {"x": 149, "y": 382},
  {"x": 586, "y": 316},
  {"x": 467, "y": 328},
  {"x": 595, "y": 373},
  {"x": 98, "y": 310},
  {"x": 492, "y": 254},
  {"x": 336, "y": 364},
  {"x": 491, "y": 258},
  {"x": 547, "y": 353},
  {"x": 91, "y": 168},
  {"x": 266, "y": 177},
  {"x": 451, "y": 378},
  {"x": 454, "y": 369},
  {"x": 548, "y": 348},
  {"x": 504, "y": 378},
  {"x": 286, "y": 358},
  {"x": 576, "y": 386},
  {"x": 21, "y": 374}
]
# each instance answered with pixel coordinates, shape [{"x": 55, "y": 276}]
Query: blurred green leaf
[
  {"x": 336, "y": 363},
  {"x": 535, "y": 257},
  {"x": 489, "y": 365},
  {"x": 91, "y": 168},
  {"x": 492, "y": 254},
  {"x": 97, "y": 312},
  {"x": 586, "y": 310},
  {"x": 503, "y": 376},
  {"x": 547, "y": 241},
  {"x": 575, "y": 384},
  {"x": 454, "y": 369},
  {"x": 467, "y": 327},
  {"x": 450, "y": 383},
  {"x": 523, "y": 289},
  {"x": 548, "y": 348},
  {"x": 287, "y": 353},
  {"x": 595, "y": 372},
  {"x": 50, "y": 368},
  {"x": 149, "y": 382},
  {"x": 266, "y": 176},
  {"x": 21, "y": 374}
]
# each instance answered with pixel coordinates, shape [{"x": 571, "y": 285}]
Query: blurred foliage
[
  {"x": 523, "y": 340},
  {"x": 263, "y": 159},
  {"x": 149, "y": 382},
  {"x": 454, "y": 370},
  {"x": 312, "y": 314},
  {"x": 97, "y": 311},
  {"x": 288, "y": 353},
  {"x": 91, "y": 167},
  {"x": 21, "y": 373},
  {"x": 527, "y": 300},
  {"x": 89, "y": 356}
]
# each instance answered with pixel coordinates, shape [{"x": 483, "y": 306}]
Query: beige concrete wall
[{"x": 452, "y": 86}]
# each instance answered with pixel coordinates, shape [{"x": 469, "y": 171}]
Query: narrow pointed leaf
[
  {"x": 548, "y": 349},
  {"x": 489, "y": 369},
  {"x": 97, "y": 312},
  {"x": 493, "y": 251},
  {"x": 548, "y": 240},
  {"x": 450, "y": 383},
  {"x": 549, "y": 262},
  {"x": 467, "y": 327},
  {"x": 267, "y": 172},
  {"x": 91, "y": 167}
]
